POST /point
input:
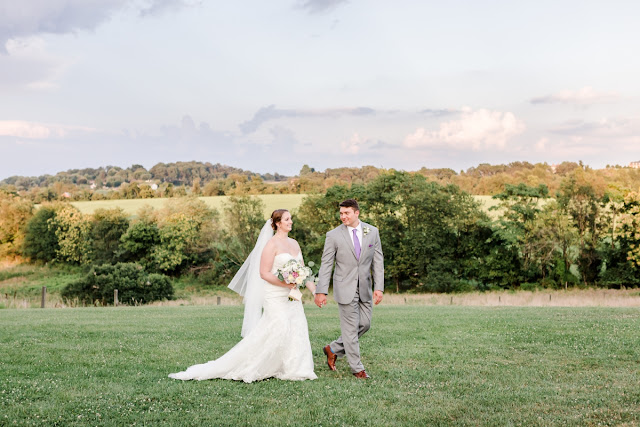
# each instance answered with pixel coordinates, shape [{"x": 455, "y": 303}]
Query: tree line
[
  {"x": 206, "y": 179},
  {"x": 436, "y": 237}
]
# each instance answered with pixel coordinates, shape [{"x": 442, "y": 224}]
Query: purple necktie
[{"x": 356, "y": 243}]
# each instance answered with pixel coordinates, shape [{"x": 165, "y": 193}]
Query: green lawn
[
  {"x": 430, "y": 366},
  {"x": 131, "y": 207}
]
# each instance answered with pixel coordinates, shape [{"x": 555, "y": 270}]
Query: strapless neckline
[{"x": 292, "y": 256}]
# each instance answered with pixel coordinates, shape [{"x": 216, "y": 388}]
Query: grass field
[
  {"x": 272, "y": 202},
  {"x": 131, "y": 207},
  {"x": 430, "y": 366}
]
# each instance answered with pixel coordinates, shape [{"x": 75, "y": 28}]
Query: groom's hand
[
  {"x": 377, "y": 297},
  {"x": 320, "y": 300}
]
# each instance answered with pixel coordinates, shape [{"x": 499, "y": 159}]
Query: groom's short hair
[{"x": 350, "y": 203}]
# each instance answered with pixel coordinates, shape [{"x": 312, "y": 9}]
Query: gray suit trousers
[{"x": 355, "y": 320}]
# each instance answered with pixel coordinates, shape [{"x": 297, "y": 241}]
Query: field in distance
[
  {"x": 131, "y": 207},
  {"x": 271, "y": 201}
]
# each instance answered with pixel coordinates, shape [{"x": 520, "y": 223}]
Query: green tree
[
  {"x": 579, "y": 200},
  {"x": 243, "y": 218},
  {"x": 520, "y": 206},
  {"x": 426, "y": 228},
  {"x": 138, "y": 241},
  {"x": 550, "y": 242},
  {"x": 622, "y": 266},
  {"x": 15, "y": 212},
  {"x": 41, "y": 240},
  {"x": 107, "y": 228},
  {"x": 187, "y": 231},
  {"x": 72, "y": 230}
]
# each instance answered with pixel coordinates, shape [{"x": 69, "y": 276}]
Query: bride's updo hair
[{"x": 276, "y": 217}]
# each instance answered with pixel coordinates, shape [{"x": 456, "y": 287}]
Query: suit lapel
[
  {"x": 365, "y": 240},
  {"x": 349, "y": 242}
]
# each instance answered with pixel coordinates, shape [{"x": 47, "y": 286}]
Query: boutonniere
[{"x": 365, "y": 230}]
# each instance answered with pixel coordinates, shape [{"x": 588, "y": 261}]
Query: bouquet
[{"x": 293, "y": 271}]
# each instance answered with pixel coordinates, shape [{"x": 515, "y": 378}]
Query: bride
[{"x": 276, "y": 341}]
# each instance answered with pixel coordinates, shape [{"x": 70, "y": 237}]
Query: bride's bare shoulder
[{"x": 270, "y": 247}]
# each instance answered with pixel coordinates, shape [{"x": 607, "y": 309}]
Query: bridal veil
[{"x": 248, "y": 283}]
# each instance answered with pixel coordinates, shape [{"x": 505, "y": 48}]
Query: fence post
[
  {"x": 115, "y": 297},
  {"x": 218, "y": 300},
  {"x": 44, "y": 296}
]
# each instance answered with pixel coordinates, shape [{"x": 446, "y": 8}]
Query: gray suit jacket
[{"x": 349, "y": 271}]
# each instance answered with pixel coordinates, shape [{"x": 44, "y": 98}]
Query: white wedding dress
[{"x": 277, "y": 347}]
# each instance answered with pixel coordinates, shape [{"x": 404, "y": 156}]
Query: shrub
[{"x": 134, "y": 285}]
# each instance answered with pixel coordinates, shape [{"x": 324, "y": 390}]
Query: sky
[{"x": 269, "y": 86}]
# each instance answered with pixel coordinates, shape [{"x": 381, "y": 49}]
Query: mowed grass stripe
[
  {"x": 430, "y": 366},
  {"x": 271, "y": 201},
  {"x": 131, "y": 207}
]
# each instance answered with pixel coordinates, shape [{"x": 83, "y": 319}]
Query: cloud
[
  {"x": 319, "y": 6},
  {"x": 266, "y": 114},
  {"x": 603, "y": 128},
  {"x": 480, "y": 129},
  {"x": 353, "y": 145},
  {"x": 189, "y": 135},
  {"x": 356, "y": 144},
  {"x": 585, "y": 96},
  {"x": 27, "y": 64},
  {"x": 26, "y": 18},
  {"x": 33, "y": 130},
  {"x": 541, "y": 144},
  {"x": 608, "y": 140},
  {"x": 284, "y": 140},
  {"x": 439, "y": 112},
  {"x": 157, "y": 7}
]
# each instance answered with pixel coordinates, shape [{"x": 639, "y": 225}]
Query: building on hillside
[
  {"x": 635, "y": 165},
  {"x": 553, "y": 168}
]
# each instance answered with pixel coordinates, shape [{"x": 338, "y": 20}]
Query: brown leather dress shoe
[
  {"x": 361, "y": 374},
  {"x": 331, "y": 357}
]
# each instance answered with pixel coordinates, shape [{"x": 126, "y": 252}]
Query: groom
[{"x": 356, "y": 250}]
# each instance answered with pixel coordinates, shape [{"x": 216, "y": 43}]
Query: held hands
[{"x": 320, "y": 300}]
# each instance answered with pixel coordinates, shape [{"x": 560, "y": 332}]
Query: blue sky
[{"x": 271, "y": 85}]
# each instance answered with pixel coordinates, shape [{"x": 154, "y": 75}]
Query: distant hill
[
  {"x": 178, "y": 173},
  {"x": 207, "y": 179}
]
